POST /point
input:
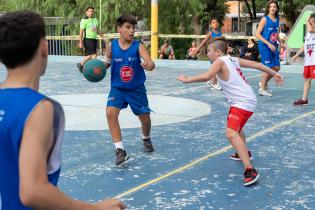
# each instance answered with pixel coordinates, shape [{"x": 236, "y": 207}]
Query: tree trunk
[{"x": 249, "y": 11}]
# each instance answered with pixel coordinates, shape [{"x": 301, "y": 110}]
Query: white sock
[
  {"x": 119, "y": 145},
  {"x": 145, "y": 137}
]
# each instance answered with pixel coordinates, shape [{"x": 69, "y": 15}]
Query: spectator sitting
[
  {"x": 251, "y": 50},
  {"x": 167, "y": 51},
  {"x": 193, "y": 49}
]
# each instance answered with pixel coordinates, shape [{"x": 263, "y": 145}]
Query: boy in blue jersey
[
  {"x": 127, "y": 84},
  {"x": 31, "y": 124},
  {"x": 214, "y": 32},
  {"x": 267, "y": 34}
]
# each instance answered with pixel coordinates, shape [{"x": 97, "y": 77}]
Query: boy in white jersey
[
  {"x": 240, "y": 95},
  {"x": 309, "y": 59}
]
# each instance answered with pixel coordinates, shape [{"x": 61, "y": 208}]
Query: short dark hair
[
  {"x": 20, "y": 35},
  {"x": 220, "y": 43},
  {"x": 89, "y": 8},
  {"x": 312, "y": 16},
  {"x": 126, "y": 18}
]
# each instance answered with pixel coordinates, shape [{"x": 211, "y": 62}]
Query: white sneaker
[
  {"x": 264, "y": 92},
  {"x": 209, "y": 85},
  {"x": 267, "y": 88},
  {"x": 217, "y": 87}
]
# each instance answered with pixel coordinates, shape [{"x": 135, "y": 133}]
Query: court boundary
[{"x": 211, "y": 154}]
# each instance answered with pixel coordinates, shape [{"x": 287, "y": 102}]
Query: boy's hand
[
  {"x": 272, "y": 47},
  {"x": 183, "y": 78},
  {"x": 145, "y": 65},
  {"x": 111, "y": 204},
  {"x": 278, "y": 78}
]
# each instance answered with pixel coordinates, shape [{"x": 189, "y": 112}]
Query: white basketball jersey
[
  {"x": 236, "y": 89},
  {"x": 309, "y": 48}
]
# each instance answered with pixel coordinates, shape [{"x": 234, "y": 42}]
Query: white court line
[{"x": 212, "y": 154}]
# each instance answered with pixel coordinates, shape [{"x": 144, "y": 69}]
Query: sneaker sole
[
  {"x": 253, "y": 181},
  {"x": 238, "y": 159},
  {"x": 123, "y": 163},
  {"x": 300, "y": 104}
]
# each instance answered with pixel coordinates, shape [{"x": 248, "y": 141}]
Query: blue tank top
[
  {"x": 270, "y": 31},
  {"x": 16, "y": 105},
  {"x": 126, "y": 71},
  {"x": 214, "y": 35}
]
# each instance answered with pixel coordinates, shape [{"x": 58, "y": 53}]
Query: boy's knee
[
  {"x": 145, "y": 118},
  {"x": 110, "y": 113},
  {"x": 230, "y": 134}
]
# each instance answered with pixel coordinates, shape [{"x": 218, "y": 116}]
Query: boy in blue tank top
[
  {"x": 127, "y": 84},
  {"x": 31, "y": 124},
  {"x": 268, "y": 36}
]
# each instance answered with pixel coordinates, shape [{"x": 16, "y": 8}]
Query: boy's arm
[
  {"x": 206, "y": 39},
  {"x": 147, "y": 63},
  {"x": 108, "y": 55},
  {"x": 35, "y": 190},
  {"x": 203, "y": 77},
  {"x": 255, "y": 65},
  {"x": 81, "y": 38}
]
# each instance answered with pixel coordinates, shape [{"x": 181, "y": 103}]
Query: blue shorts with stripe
[
  {"x": 269, "y": 58},
  {"x": 136, "y": 98}
]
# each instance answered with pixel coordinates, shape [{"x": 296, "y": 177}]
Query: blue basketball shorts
[
  {"x": 269, "y": 58},
  {"x": 136, "y": 98}
]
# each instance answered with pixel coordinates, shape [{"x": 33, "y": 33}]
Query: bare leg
[
  {"x": 242, "y": 135},
  {"x": 307, "y": 85},
  {"x": 240, "y": 147},
  {"x": 145, "y": 120},
  {"x": 86, "y": 58},
  {"x": 112, "y": 114},
  {"x": 266, "y": 77},
  {"x": 214, "y": 81}
]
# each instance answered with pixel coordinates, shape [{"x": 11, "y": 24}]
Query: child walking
[{"x": 309, "y": 60}]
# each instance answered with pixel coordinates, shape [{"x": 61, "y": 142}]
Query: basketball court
[{"x": 190, "y": 168}]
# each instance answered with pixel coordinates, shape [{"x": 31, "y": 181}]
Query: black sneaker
[
  {"x": 121, "y": 156},
  {"x": 251, "y": 175},
  {"x": 147, "y": 145},
  {"x": 237, "y": 157},
  {"x": 80, "y": 67}
]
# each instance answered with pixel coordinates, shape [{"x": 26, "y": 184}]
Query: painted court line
[{"x": 212, "y": 154}]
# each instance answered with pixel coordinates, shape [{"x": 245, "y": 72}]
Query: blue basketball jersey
[
  {"x": 126, "y": 71},
  {"x": 214, "y": 35},
  {"x": 270, "y": 31},
  {"x": 16, "y": 106}
]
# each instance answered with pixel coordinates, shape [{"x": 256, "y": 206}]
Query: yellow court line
[{"x": 218, "y": 152}]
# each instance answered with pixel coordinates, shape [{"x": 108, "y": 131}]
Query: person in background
[
  {"x": 309, "y": 60},
  {"x": 192, "y": 50},
  {"x": 167, "y": 51},
  {"x": 89, "y": 28},
  {"x": 251, "y": 50},
  {"x": 267, "y": 34}
]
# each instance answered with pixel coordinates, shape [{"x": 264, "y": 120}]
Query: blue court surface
[{"x": 190, "y": 168}]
